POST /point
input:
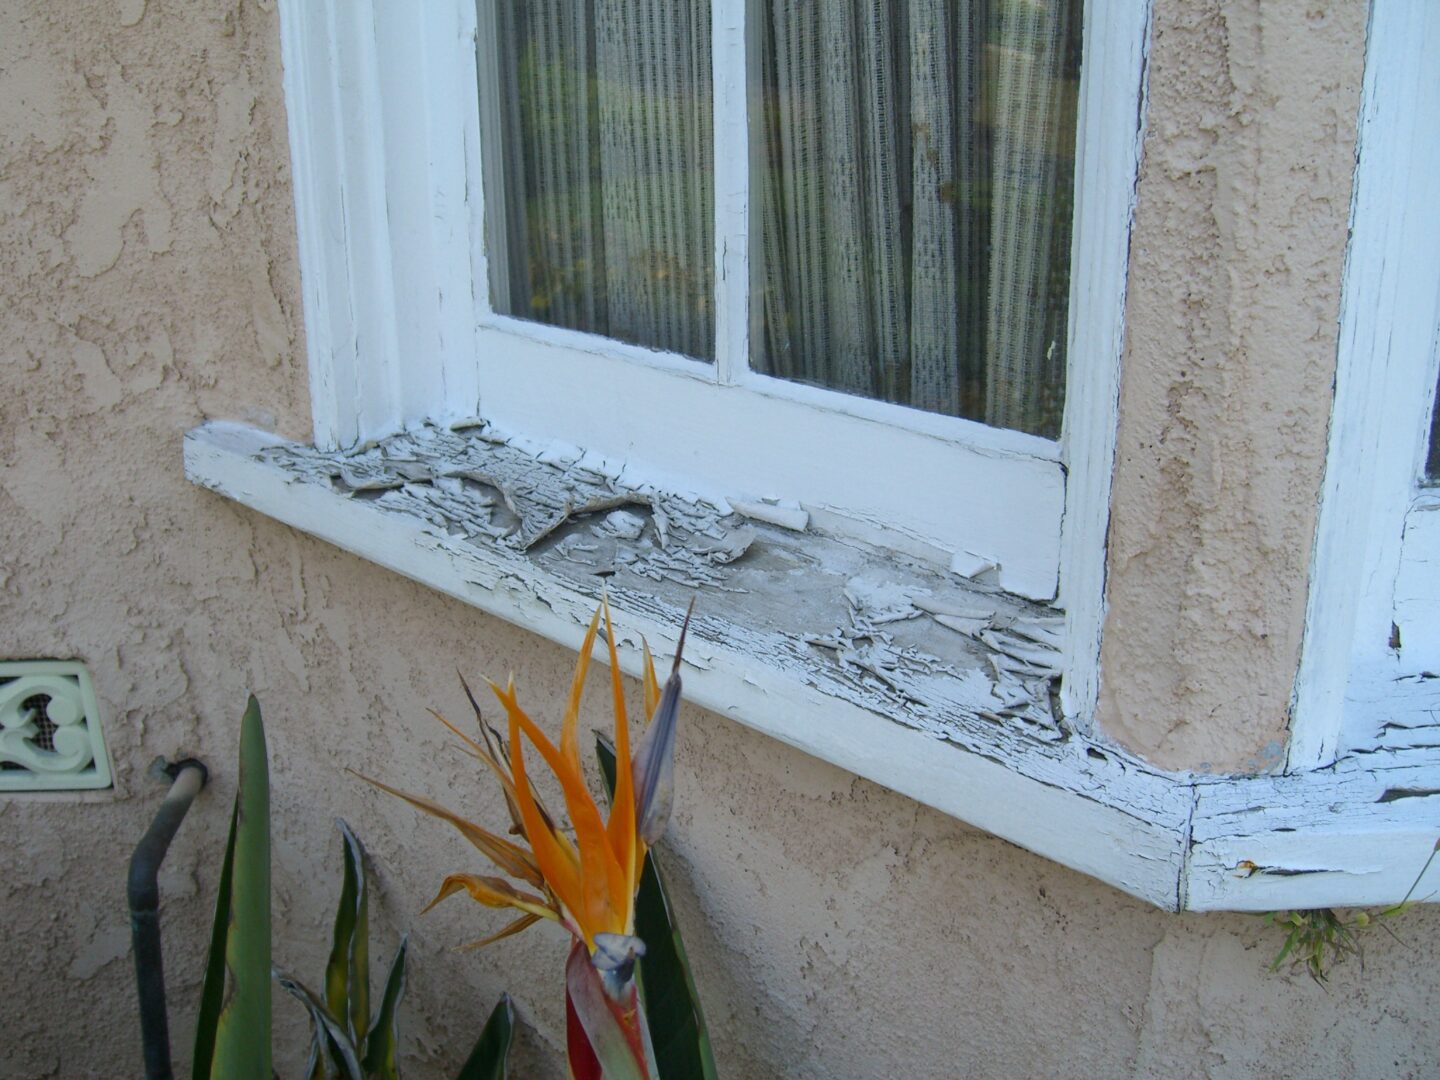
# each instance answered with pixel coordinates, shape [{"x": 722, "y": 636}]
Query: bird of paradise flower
[{"x": 585, "y": 882}]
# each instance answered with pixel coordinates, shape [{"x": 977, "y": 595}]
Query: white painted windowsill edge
[{"x": 1354, "y": 834}]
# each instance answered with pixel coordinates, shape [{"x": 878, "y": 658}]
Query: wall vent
[{"x": 50, "y": 737}]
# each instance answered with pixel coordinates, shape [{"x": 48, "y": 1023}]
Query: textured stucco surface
[
  {"x": 1234, "y": 297},
  {"x": 838, "y": 929}
]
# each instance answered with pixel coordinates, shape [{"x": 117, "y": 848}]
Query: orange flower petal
[
  {"x": 559, "y": 866},
  {"x": 600, "y": 875},
  {"x": 652, "y": 686},
  {"x": 522, "y": 923},
  {"x": 569, "y": 728},
  {"x": 549, "y": 753},
  {"x": 515, "y": 861},
  {"x": 493, "y": 892}
]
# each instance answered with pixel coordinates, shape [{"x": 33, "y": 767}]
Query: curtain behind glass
[
  {"x": 604, "y": 187},
  {"x": 913, "y": 175}
]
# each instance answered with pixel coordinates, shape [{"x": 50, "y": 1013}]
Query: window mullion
[{"x": 731, "y": 127}]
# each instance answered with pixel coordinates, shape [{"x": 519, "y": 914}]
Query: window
[
  {"x": 911, "y": 179},
  {"x": 840, "y": 233},
  {"x": 414, "y": 322},
  {"x": 422, "y": 239},
  {"x": 421, "y": 308}
]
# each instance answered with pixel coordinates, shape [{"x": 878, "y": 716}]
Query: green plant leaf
[
  {"x": 334, "y": 1053},
  {"x": 382, "y": 1047},
  {"x": 487, "y": 1061},
  {"x": 1290, "y": 941},
  {"x": 241, "y": 1041},
  {"x": 347, "y": 974},
  {"x": 667, "y": 986},
  {"x": 212, "y": 992}
]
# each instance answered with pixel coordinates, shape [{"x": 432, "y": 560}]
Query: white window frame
[
  {"x": 392, "y": 251},
  {"x": 1372, "y": 571}
]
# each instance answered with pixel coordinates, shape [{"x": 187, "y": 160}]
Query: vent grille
[{"x": 50, "y": 736}]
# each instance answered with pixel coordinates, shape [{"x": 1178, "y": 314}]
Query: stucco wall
[
  {"x": 838, "y": 929},
  {"x": 1234, "y": 297}
]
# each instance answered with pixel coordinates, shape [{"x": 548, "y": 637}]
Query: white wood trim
[
  {"x": 1416, "y": 607},
  {"x": 1355, "y": 834},
  {"x": 970, "y": 433},
  {"x": 953, "y": 497},
  {"x": 730, "y": 81},
  {"x": 1384, "y": 383},
  {"x": 486, "y": 176},
  {"x": 1108, "y": 148},
  {"x": 320, "y": 181},
  {"x": 453, "y": 139},
  {"x": 380, "y": 164},
  {"x": 588, "y": 344}
]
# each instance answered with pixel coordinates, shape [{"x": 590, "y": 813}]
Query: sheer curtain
[
  {"x": 913, "y": 176},
  {"x": 601, "y": 121}
]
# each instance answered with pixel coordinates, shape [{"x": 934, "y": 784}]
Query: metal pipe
[{"x": 188, "y": 778}]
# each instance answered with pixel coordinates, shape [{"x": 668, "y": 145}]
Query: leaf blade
[
  {"x": 382, "y": 1047},
  {"x": 242, "y": 1037},
  {"x": 332, "y": 1040},
  {"x": 488, "y": 1058},
  {"x": 212, "y": 991},
  {"x": 347, "y": 972}
]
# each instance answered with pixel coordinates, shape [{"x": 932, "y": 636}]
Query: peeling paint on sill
[{"x": 888, "y": 632}]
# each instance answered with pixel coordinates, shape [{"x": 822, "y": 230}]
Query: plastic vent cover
[{"x": 50, "y": 737}]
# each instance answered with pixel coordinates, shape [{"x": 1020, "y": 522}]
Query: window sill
[{"x": 875, "y": 662}]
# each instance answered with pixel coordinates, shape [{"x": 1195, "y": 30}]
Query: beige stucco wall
[
  {"x": 1234, "y": 297},
  {"x": 839, "y": 930}
]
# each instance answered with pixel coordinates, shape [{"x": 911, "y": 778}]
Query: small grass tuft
[{"x": 1320, "y": 938}]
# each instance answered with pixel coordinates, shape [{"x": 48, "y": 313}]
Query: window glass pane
[
  {"x": 598, "y": 151},
  {"x": 914, "y": 172}
]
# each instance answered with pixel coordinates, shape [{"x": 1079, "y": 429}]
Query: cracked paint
[{"x": 966, "y": 653}]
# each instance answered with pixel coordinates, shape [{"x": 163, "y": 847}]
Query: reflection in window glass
[
  {"x": 914, "y": 173},
  {"x": 603, "y": 197}
]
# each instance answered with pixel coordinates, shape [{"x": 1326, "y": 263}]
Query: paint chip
[
  {"x": 969, "y": 565},
  {"x": 786, "y": 517}
]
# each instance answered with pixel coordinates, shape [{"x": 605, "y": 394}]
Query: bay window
[{"x": 815, "y": 309}]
